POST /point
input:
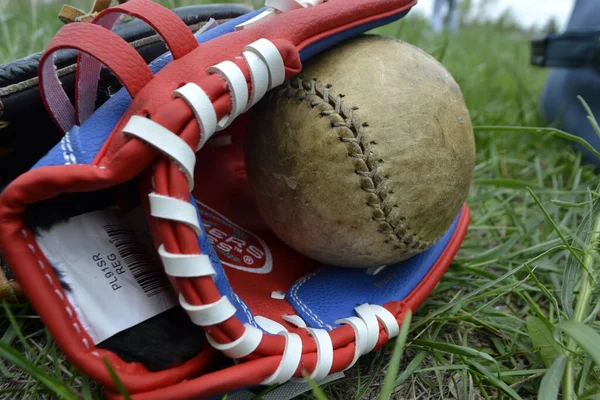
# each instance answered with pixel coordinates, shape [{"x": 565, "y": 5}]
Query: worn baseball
[{"x": 366, "y": 157}]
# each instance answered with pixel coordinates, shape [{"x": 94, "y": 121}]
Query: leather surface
[
  {"x": 331, "y": 293},
  {"x": 220, "y": 279},
  {"x": 100, "y": 124}
]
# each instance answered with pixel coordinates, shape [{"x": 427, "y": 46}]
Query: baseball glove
[{"x": 136, "y": 237}]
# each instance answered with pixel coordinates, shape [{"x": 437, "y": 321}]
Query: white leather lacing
[
  {"x": 366, "y": 328},
  {"x": 275, "y": 7},
  {"x": 267, "y": 70},
  {"x": 198, "y": 101},
  {"x": 186, "y": 265},
  {"x": 324, "y": 353},
  {"x": 165, "y": 141},
  {"x": 292, "y": 354},
  {"x": 366, "y": 332},
  {"x": 172, "y": 209}
]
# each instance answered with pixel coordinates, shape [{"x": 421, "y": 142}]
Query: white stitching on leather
[
  {"x": 259, "y": 77},
  {"x": 203, "y": 109},
  {"x": 360, "y": 336},
  {"x": 295, "y": 320},
  {"x": 71, "y": 152},
  {"x": 387, "y": 319},
  {"x": 56, "y": 290},
  {"x": 246, "y": 310},
  {"x": 64, "y": 151},
  {"x": 270, "y": 56},
  {"x": 209, "y": 314},
  {"x": 304, "y": 307},
  {"x": 186, "y": 265},
  {"x": 365, "y": 313},
  {"x": 172, "y": 209}
]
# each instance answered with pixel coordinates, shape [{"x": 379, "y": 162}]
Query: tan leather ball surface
[{"x": 366, "y": 157}]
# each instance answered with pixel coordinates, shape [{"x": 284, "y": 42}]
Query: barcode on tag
[
  {"x": 146, "y": 269},
  {"x": 113, "y": 275}
]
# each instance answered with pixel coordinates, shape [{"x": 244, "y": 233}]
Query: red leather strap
[
  {"x": 176, "y": 34},
  {"x": 107, "y": 47}
]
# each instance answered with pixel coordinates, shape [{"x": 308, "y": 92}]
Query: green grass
[{"x": 516, "y": 316}]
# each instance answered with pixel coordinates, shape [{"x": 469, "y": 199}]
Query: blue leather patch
[
  {"x": 243, "y": 312},
  {"x": 96, "y": 129},
  {"x": 331, "y": 293}
]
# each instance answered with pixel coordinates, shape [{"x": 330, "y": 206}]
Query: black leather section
[
  {"x": 26, "y": 68},
  {"x": 30, "y": 132}
]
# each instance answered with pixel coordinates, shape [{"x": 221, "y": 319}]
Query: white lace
[
  {"x": 366, "y": 333},
  {"x": 275, "y": 7},
  {"x": 267, "y": 70}
]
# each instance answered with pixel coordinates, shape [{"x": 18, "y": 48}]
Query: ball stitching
[{"x": 315, "y": 95}]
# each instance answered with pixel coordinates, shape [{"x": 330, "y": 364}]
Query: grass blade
[
  {"x": 410, "y": 369},
  {"x": 120, "y": 387},
  {"x": 394, "y": 365},
  {"x": 314, "y": 387},
  {"x": 556, "y": 228},
  {"x": 494, "y": 379},
  {"x": 52, "y": 384},
  {"x": 85, "y": 388},
  {"x": 590, "y": 115},
  {"x": 543, "y": 341},
  {"x": 585, "y": 336},
  {"x": 552, "y": 131},
  {"x": 455, "y": 349},
  {"x": 15, "y": 325},
  {"x": 550, "y": 385}
]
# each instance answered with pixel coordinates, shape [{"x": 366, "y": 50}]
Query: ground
[{"x": 515, "y": 313}]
